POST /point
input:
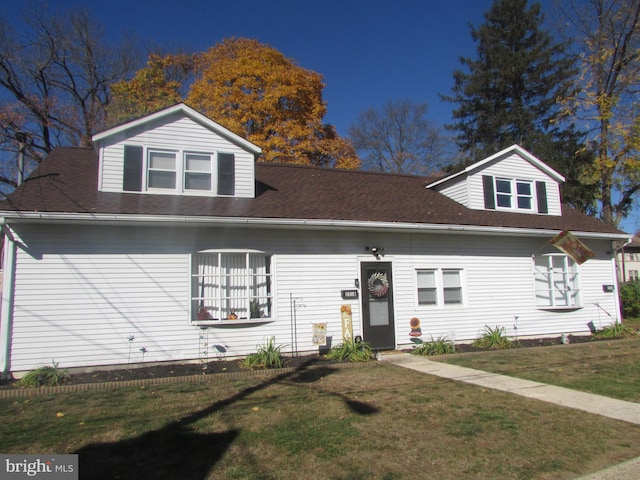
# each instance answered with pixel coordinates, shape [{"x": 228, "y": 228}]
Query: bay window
[
  {"x": 231, "y": 285},
  {"x": 557, "y": 281}
]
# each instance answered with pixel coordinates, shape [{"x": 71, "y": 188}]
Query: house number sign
[{"x": 349, "y": 294}]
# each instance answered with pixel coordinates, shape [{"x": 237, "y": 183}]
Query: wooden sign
[{"x": 347, "y": 323}]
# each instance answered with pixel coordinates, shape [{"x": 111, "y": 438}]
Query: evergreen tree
[{"x": 512, "y": 92}]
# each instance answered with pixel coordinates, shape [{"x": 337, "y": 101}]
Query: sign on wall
[{"x": 349, "y": 294}]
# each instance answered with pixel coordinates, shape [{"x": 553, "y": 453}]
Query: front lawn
[
  {"x": 605, "y": 367},
  {"x": 376, "y": 422}
]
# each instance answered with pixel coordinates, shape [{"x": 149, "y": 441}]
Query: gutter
[{"x": 46, "y": 217}]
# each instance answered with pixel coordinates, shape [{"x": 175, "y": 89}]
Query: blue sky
[{"x": 368, "y": 51}]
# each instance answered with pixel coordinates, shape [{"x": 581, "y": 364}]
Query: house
[
  {"x": 629, "y": 261},
  {"x": 168, "y": 242}
]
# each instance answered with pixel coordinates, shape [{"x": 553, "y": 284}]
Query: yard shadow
[
  {"x": 177, "y": 451},
  {"x": 173, "y": 453}
]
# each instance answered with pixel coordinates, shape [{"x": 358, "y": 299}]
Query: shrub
[
  {"x": 46, "y": 376},
  {"x": 352, "y": 351},
  {"x": 616, "y": 330},
  {"x": 267, "y": 356},
  {"x": 438, "y": 346},
  {"x": 494, "y": 338},
  {"x": 630, "y": 299}
]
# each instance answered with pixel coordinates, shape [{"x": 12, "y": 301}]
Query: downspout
[
  {"x": 614, "y": 268},
  {"x": 6, "y": 306}
]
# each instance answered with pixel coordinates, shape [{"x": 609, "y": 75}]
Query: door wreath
[{"x": 378, "y": 284}]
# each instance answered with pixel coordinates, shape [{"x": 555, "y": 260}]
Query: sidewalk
[{"x": 588, "y": 402}]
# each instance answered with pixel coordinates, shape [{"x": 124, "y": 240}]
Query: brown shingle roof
[{"x": 66, "y": 182}]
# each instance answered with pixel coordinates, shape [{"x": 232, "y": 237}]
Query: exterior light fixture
[{"x": 376, "y": 251}]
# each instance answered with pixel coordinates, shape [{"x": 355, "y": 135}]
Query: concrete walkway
[{"x": 588, "y": 402}]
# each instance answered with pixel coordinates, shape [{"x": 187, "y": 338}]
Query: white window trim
[
  {"x": 578, "y": 274},
  {"x": 148, "y": 169},
  {"x": 514, "y": 194},
  {"x": 440, "y": 287},
  {"x": 213, "y": 157},
  {"x": 181, "y": 171},
  {"x": 193, "y": 313}
]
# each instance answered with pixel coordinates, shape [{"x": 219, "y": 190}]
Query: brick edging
[{"x": 198, "y": 378}]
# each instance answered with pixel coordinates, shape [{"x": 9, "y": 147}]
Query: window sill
[
  {"x": 243, "y": 322},
  {"x": 563, "y": 309}
]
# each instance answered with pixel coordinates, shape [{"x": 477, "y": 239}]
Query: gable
[
  {"x": 512, "y": 180},
  {"x": 176, "y": 153}
]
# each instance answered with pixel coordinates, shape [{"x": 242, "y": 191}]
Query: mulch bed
[
  {"x": 533, "y": 342},
  {"x": 233, "y": 366},
  {"x": 170, "y": 370}
]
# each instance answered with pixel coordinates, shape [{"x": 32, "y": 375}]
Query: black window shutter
[
  {"x": 226, "y": 174},
  {"x": 541, "y": 193},
  {"x": 132, "y": 173},
  {"x": 489, "y": 197}
]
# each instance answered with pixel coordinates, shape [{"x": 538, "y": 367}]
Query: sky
[{"x": 368, "y": 51}]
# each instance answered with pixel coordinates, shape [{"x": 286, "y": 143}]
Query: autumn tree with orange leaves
[
  {"x": 253, "y": 90},
  {"x": 156, "y": 86}
]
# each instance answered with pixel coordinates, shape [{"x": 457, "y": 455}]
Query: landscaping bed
[{"x": 169, "y": 370}]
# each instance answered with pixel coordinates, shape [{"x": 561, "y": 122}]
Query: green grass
[
  {"x": 605, "y": 367},
  {"x": 378, "y": 422}
]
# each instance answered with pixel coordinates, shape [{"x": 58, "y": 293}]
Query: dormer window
[
  {"x": 513, "y": 194},
  {"x": 197, "y": 171},
  {"x": 178, "y": 171},
  {"x": 162, "y": 170},
  {"x": 502, "y": 193}
]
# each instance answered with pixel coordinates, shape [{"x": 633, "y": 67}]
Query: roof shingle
[{"x": 66, "y": 182}]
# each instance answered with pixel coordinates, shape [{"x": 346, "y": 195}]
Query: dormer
[
  {"x": 512, "y": 180},
  {"x": 176, "y": 151}
]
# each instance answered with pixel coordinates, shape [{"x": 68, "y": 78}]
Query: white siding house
[{"x": 112, "y": 259}]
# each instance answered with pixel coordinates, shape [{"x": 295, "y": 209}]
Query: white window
[
  {"x": 514, "y": 194},
  {"x": 230, "y": 285},
  {"x": 441, "y": 286},
  {"x": 633, "y": 275},
  {"x": 178, "y": 171},
  {"x": 197, "y": 171},
  {"x": 162, "y": 170},
  {"x": 557, "y": 281}
]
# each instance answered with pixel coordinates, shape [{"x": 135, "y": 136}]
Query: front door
[{"x": 377, "y": 305}]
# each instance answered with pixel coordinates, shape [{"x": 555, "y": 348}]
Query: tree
[
  {"x": 255, "y": 91},
  {"x": 510, "y": 95},
  {"x": 54, "y": 82},
  {"x": 399, "y": 138},
  {"x": 158, "y": 85},
  {"x": 608, "y": 100}
]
